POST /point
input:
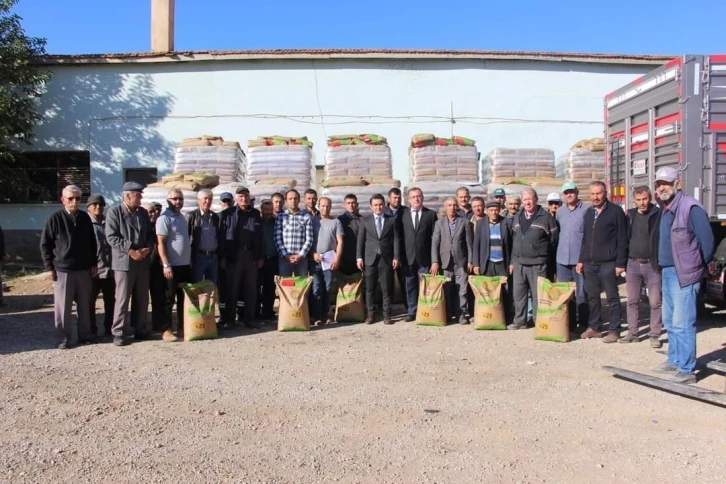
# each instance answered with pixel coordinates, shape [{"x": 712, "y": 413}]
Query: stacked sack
[
  {"x": 211, "y": 154},
  {"x": 515, "y": 169},
  {"x": 583, "y": 165},
  {"x": 280, "y": 157},
  {"x": 435, "y": 159},
  {"x": 357, "y": 164},
  {"x": 188, "y": 183}
]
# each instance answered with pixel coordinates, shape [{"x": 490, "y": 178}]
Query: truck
[{"x": 674, "y": 116}]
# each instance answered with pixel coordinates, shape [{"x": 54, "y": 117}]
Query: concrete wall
[{"x": 134, "y": 115}]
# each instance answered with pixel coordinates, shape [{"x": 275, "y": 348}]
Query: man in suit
[
  {"x": 377, "y": 253},
  {"x": 417, "y": 230},
  {"x": 129, "y": 232},
  {"x": 395, "y": 209},
  {"x": 451, "y": 251}
]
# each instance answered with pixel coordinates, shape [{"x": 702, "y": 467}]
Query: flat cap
[
  {"x": 132, "y": 187},
  {"x": 242, "y": 190},
  {"x": 499, "y": 192},
  {"x": 225, "y": 196},
  {"x": 493, "y": 203},
  {"x": 667, "y": 174},
  {"x": 96, "y": 200}
]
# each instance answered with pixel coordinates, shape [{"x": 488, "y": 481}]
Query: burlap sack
[
  {"x": 488, "y": 307},
  {"x": 344, "y": 181},
  {"x": 183, "y": 185},
  {"x": 277, "y": 182},
  {"x": 293, "y": 314},
  {"x": 552, "y": 319},
  {"x": 349, "y": 307},
  {"x": 212, "y": 137},
  {"x": 205, "y": 180},
  {"x": 199, "y": 304},
  {"x": 255, "y": 143},
  {"x": 431, "y": 300},
  {"x": 173, "y": 177},
  {"x": 195, "y": 142},
  {"x": 232, "y": 144},
  {"x": 382, "y": 180}
]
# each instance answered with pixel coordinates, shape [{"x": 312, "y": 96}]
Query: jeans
[
  {"x": 638, "y": 274},
  {"x": 598, "y": 278},
  {"x": 205, "y": 267},
  {"x": 410, "y": 277},
  {"x": 320, "y": 297},
  {"x": 579, "y": 311},
  {"x": 298, "y": 270},
  {"x": 679, "y": 317}
]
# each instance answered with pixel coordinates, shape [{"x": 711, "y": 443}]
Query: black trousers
[
  {"x": 600, "y": 278},
  {"x": 157, "y": 289},
  {"x": 174, "y": 293},
  {"x": 241, "y": 275},
  {"x": 379, "y": 275},
  {"x": 266, "y": 281},
  {"x": 107, "y": 286}
]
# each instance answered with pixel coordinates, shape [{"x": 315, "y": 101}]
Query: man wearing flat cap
[
  {"x": 684, "y": 248},
  {"x": 129, "y": 232},
  {"x": 240, "y": 254},
  {"x": 103, "y": 282}
]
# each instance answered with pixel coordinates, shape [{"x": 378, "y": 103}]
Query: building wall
[{"x": 133, "y": 115}]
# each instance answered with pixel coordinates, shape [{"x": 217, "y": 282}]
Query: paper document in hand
[{"x": 328, "y": 258}]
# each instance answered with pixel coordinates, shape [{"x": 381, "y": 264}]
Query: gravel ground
[{"x": 347, "y": 403}]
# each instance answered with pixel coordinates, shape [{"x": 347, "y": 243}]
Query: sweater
[{"x": 68, "y": 242}]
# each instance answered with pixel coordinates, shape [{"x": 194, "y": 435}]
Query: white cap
[{"x": 553, "y": 197}]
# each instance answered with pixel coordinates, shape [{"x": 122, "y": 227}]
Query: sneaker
[
  {"x": 119, "y": 341},
  {"x": 169, "y": 337},
  {"x": 612, "y": 337},
  {"x": 665, "y": 368},
  {"x": 410, "y": 319},
  {"x": 680, "y": 377},
  {"x": 629, "y": 338},
  {"x": 655, "y": 342},
  {"x": 514, "y": 326},
  {"x": 591, "y": 333}
]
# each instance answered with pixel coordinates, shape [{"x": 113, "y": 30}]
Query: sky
[{"x": 642, "y": 27}]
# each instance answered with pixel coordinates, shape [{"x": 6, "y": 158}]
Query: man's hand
[
  {"x": 317, "y": 258},
  {"x": 470, "y": 267},
  {"x": 619, "y": 271},
  {"x": 289, "y": 259},
  {"x": 94, "y": 271},
  {"x": 360, "y": 265},
  {"x": 135, "y": 254},
  {"x": 145, "y": 252},
  {"x": 477, "y": 269},
  {"x": 579, "y": 266},
  {"x": 334, "y": 265},
  {"x": 511, "y": 269},
  {"x": 168, "y": 273},
  {"x": 435, "y": 269},
  {"x": 51, "y": 276},
  {"x": 395, "y": 264},
  {"x": 260, "y": 263}
]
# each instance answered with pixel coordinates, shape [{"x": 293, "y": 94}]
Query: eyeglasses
[
  {"x": 174, "y": 199},
  {"x": 72, "y": 199}
]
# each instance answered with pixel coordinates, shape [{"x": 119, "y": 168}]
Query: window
[
  {"x": 143, "y": 176},
  {"x": 50, "y": 172}
]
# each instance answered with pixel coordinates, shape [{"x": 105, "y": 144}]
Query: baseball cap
[
  {"x": 499, "y": 192},
  {"x": 225, "y": 196},
  {"x": 553, "y": 197},
  {"x": 667, "y": 174},
  {"x": 569, "y": 185}
]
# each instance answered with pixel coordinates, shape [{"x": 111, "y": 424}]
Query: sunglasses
[{"x": 72, "y": 199}]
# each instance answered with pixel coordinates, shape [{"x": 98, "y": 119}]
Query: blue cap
[
  {"x": 499, "y": 192},
  {"x": 133, "y": 187}
]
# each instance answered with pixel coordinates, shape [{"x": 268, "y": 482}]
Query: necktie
[
  {"x": 417, "y": 219},
  {"x": 379, "y": 225}
]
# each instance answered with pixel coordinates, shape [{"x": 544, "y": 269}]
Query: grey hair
[
  {"x": 462, "y": 189},
  {"x": 148, "y": 206},
  {"x": 204, "y": 193},
  {"x": 450, "y": 199},
  {"x": 174, "y": 191},
  {"x": 326, "y": 198},
  {"x": 72, "y": 189},
  {"x": 598, "y": 183},
  {"x": 532, "y": 192},
  {"x": 516, "y": 198}
]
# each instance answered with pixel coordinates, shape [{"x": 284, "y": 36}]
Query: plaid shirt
[{"x": 293, "y": 233}]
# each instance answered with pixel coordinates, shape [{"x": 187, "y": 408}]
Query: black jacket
[
  {"x": 607, "y": 240},
  {"x": 351, "y": 224},
  {"x": 2, "y": 243},
  {"x": 240, "y": 230},
  {"x": 67, "y": 242},
  {"x": 538, "y": 243},
  {"x": 417, "y": 243},
  {"x": 653, "y": 232},
  {"x": 482, "y": 246},
  {"x": 194, "y": 222}
]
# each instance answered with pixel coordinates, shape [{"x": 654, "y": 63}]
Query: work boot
[
  {"x": 612, "y": 337},
  {"x": 665, "y": 368},
  {"x": 655, "y": 342},
  {"x": 629, "y": 338},
  {"x": 681, "y": 377},
  {"x": 591, "y": 333},
  {"x": 464, "y": 320},
  {"x": 515, "y": 326}
]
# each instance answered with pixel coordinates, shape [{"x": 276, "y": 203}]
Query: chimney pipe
[{"x": 162, "y": 25}]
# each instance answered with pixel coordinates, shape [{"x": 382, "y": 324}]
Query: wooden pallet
[
  {"x": 718, "y": 366},
  {"x": 689, "y": 391}
]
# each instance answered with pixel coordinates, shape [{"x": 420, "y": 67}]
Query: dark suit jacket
[
  {"x": 194, "y": 222},
  {"x": 482, "y": 247},
  {"x": 417, "y": 243},
  {"x": 446, "y": 248},
  {"x": 371, "y": 248}
]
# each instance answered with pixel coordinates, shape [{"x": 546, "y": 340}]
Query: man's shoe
[
  {"x": 685, "y": 378},
  {"x": 665, "y": 368},
  {"x": 251, "y": 325},
  {"x": 369, "y": 320},
  {"x": 63, "y": 346},
  {"x": 91, "y": 340},
  {"x": 629, "y": 338},
  {"x": 612, "y": 337},
  {"x": 169, "y": 337},
  {"x": 591, "y": 333},
  {"x": 655, "y": 342},
  {"x": 318, "y": 323},
  {"x": 226, "y": 325},
  {"x": 514, "y": 326},
  {"x": 410, "y": 319},
  {"x": 119, "y": 341},
  {"x": 387, "y": 320},
  {"x": 464, "y": 320}
]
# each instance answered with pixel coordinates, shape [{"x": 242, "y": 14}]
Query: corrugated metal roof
[{"x": 358, "y": 54}]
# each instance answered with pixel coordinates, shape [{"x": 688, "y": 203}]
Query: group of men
[{"x": 136, "y": 250}]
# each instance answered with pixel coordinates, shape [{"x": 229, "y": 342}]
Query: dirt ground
[{"x": 347, "y": 403}]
